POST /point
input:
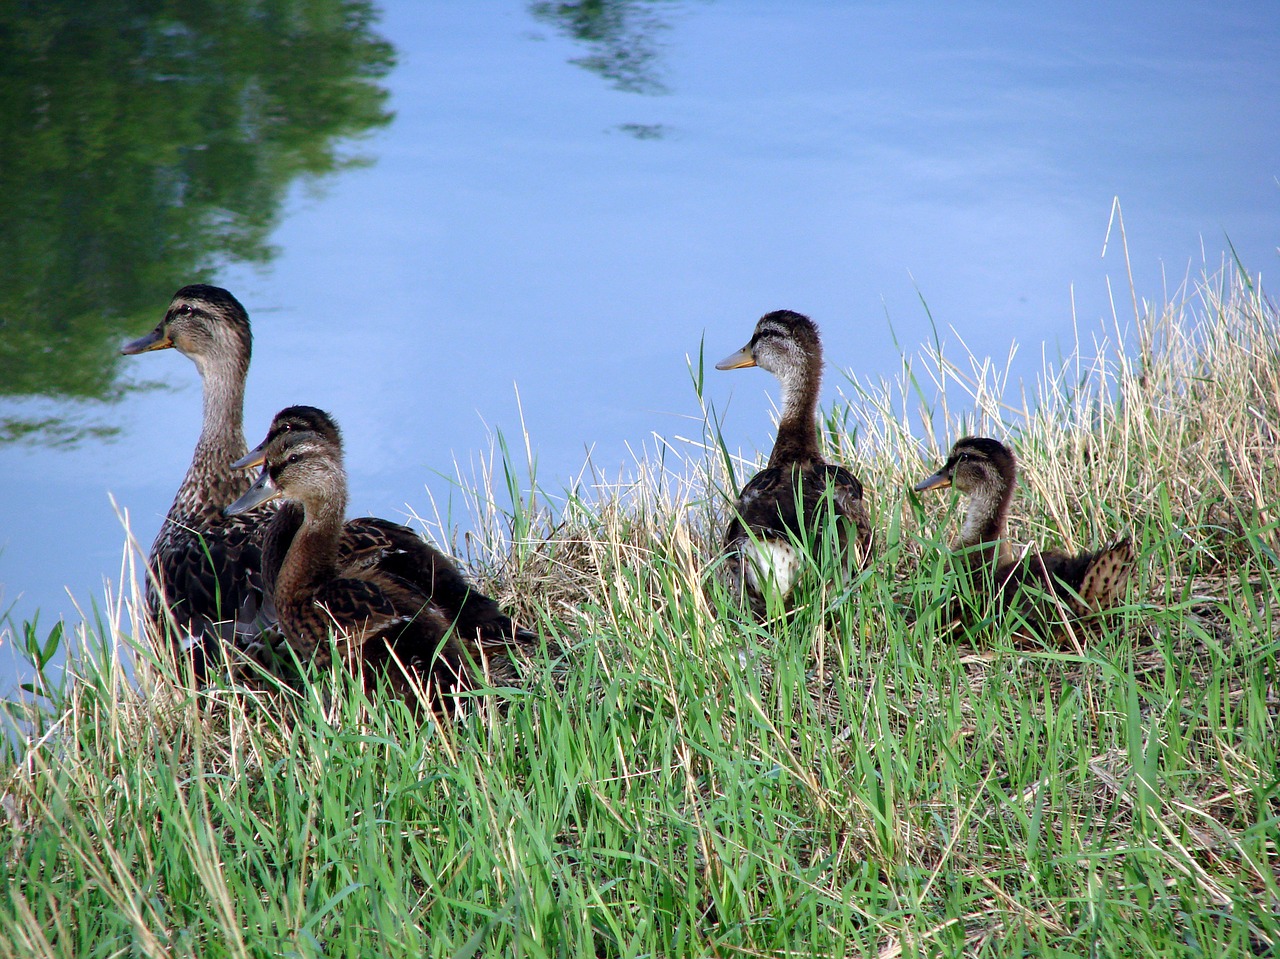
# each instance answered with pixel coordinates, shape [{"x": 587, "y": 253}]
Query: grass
[{"x": 852, "y": 781}]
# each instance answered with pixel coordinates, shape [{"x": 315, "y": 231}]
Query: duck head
[
  {"x": 784, "y": 342},
  {"x": 204, "y": 323},
  {"x": 304, "y": 467},
  {"x": 293, "y": 420},
  {"x": 976, "y": 465}
]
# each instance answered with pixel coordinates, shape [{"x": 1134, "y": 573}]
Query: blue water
[{"x": 527, "y": 223}]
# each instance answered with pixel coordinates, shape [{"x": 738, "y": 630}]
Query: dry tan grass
[{"x": 1173, "y": 415}]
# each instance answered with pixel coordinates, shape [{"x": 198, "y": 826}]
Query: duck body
[
  {"x": 798, "y": 495},
  {"x": 325, "y": 586},
  {"x": 984, "y": 470},
  {"x": 780, "y": 507},
  {"x": 205, "y": 567}
]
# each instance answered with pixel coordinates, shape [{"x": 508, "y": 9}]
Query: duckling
[
  {"x": 376, "y": 613},
  {"x": 369, "y": 543},
  {"x": 985, "y": 472},
  {"x": 797, "y": 487},
  {"x": 205, "y": 566}
]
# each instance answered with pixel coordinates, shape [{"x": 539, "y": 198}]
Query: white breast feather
[{"x": 771, "y": 565}]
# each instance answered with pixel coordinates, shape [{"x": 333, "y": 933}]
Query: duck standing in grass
[
  {"x": 204, "y": 577},
  {"x": 372, "y": 601},
  {"x": 790, "y": 500},
  {"x": 985, "y": 472}
]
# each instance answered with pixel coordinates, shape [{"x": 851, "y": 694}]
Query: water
[{"x": 569, "y": 204}]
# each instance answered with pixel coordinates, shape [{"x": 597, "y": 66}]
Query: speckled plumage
[
  {"x": 985, "y": 471},
  {"x": 332, "y": 580},
  {"x": 205, "y": 566},
  {"x": 792, "y": 497}
]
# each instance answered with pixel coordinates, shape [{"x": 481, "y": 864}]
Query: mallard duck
[
  {"x": 798, "y": 489},
  {"x": 205, "y": 566},
  {"x": 374, "y": 612},
  {"x": 985, "y": 472},
  {"x": 369, "y": 543}
]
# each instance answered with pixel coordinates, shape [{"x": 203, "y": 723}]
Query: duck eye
[{"x": 293, "y": 458}]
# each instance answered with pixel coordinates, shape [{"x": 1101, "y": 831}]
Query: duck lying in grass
[
  {"x": 798, "y": 491},
  {"x": 205, "y": 566},
  {"x": 369, "y": 543},
  {"x": 368, "y": 583},
  {"x": 985, "y": 472}
]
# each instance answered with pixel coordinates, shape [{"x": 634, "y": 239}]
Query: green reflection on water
[
  {"x": 622, "y": 36},
  {"x": 144, "y": 142}
]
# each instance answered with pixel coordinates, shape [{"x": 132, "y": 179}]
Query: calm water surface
[{"x": 564, "y": 199}]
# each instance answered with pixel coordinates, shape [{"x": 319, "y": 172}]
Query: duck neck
[
  {"x": 797, "y": 440},
  {"x": 312, "y": 559},
  {"x": 210, "y": 482},
  {"x": 985, "y": 518}
]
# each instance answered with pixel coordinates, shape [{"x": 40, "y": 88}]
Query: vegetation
[
  {"x": 852, "y": 781},
  {"x": 622, "y": 36},
  {"x": 145, "y": 143}
]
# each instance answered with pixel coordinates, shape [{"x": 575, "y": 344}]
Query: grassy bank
[{"x": 852, "y": 782}]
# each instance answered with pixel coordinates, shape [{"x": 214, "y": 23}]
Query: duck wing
[
  {"x": 430, "y": 646},
  {"x": 1086, "y": 582},
  {"x": 356, "y": 610},
  {"x": 373, "y": 547},
  {"x": 1108, "y": 574},
  {"x": 850, "y": 506},
  {"x": 371, "y": 543},
  {"x": 769, "y": 505}
]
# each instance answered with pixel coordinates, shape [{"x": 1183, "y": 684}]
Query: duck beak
[
  {"x": 157, "y": 339},
  {"x": 257, "y": 494},
  {"x": 255, "y": 457},
  {"x": 737, "y": 361},
  {"x": 939, "y": 480}
]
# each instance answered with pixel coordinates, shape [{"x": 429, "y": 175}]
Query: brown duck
[
  {"x": 205, "y": 566},
  {"x": 369, "y": 543},
  {"x": 798, "y": 490},
  {"x": 375, "y": 614},
  {"x": 985, "y": 472}
]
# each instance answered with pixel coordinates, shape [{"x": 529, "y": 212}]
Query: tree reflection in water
[
  {"x": 622, "y": 35},
  {"x": 144, "y": 143}
]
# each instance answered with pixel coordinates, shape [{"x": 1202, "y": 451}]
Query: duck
[
  {"x": 375, "y": 615},
  {"x": 798, "y": 490},
  {"x": 985, "y": 472},
  {"x": 204, "y": 588},
  {"x": 370, "y": 543}
]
